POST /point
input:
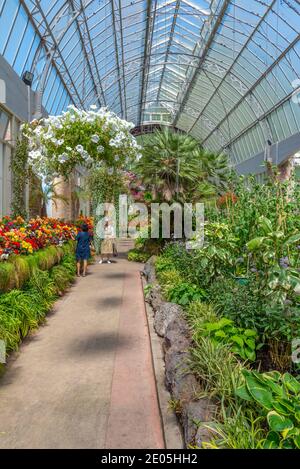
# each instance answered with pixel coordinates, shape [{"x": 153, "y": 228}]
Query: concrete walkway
[{"x": 85, "y": 379}]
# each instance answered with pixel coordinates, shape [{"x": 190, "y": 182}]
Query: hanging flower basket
[{"x": 91, "y": 138}]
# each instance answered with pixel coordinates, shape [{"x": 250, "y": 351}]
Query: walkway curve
[{"x": 85, "y": 379}]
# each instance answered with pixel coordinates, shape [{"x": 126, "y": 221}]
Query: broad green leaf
[
  {"x": 291, "y": 383},
  {"x": 292, "y": 239},
  {"x": 272, "y": 441},
  {"x": 274, "y": 375},
  {"x": 259, "y": 392},
  {"x": 221, "y": 334},
  {"x": 243, "y": 393},
  {"x": 238, "y": 340},
  {"x": 279, "y": 423},
  {"x": 250, "y": 333},
  {"x": 265, "y": 224},
  {"x": 250, "y": 343},
  {"x": 225, "y": 322},
  {"x": 281, "y": 409},
  {"x": 259, "y": 376},
  {"x": 296, "y": 440},
  {"x": 250, "y": 354},
  {"x": 255, "y": 243},
  {"x": 288, "y": 405}
]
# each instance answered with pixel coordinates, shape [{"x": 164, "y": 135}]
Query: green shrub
[
  {"x": 278, "y": 397},
  {"x": 217, "y": 369},
  {"x": 61, "y": 278},
  {"x": 198, "y": 312},
  {"x": 23, "y": 310},
  {"x": 237, "y": 428},
  {"x": 223, "y": 331},
  {"x": 241, "y": 303},
  {"x": 185, "y": 293},
  {"x": 135, "y": 255},
  {"x": 168, "y": 279},
  {"x": 7, "y": 276},
  {"x": 15, "y": 272}
]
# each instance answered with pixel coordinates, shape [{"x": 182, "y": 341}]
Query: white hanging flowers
[
  {"x": 95, "y": 138},
  {"x": 79, "y": 148},
  {"x": 58, "y": 144}
]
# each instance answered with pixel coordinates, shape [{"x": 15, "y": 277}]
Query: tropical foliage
[
  {"x": 173, "y": 164},
  {"x": 248, "y": 315}
]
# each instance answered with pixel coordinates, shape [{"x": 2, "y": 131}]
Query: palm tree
[
  {"x": 169, "y": 164},
  {"x": 175, "y": 164},
  {"x": 215, "y": 169}
]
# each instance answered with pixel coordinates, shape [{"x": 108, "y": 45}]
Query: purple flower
[{"x": 284, "y": 262}]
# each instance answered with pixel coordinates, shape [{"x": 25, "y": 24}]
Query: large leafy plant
[
  {"x": 217, "y": 256},
  {"x": 185, "y": 293},
  {"x": 242, "y": 341},
  {"x": 279, "y": 399},
  {"x": 272, "y": 255}
]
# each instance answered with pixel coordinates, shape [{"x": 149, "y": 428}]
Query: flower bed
[
  {"x": 20, "y": 237},
  {"x": 26, "y": 246}
]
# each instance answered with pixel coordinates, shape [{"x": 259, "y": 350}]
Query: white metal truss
[{"x": 131, "y": 55}]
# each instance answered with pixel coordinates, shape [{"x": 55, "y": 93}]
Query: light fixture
[{"x": 28, "y": 78}]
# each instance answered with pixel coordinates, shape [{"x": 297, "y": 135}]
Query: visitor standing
[
  {"x": 107, "y": 244},
  {"x": 83, "y": 250}
]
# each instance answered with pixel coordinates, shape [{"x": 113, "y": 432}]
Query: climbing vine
[
  {"x": 20, "y": 178},
  {"x": 106, "y": 186}
]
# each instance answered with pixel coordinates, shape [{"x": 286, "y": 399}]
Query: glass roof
[{"x": 225, "y": 71}]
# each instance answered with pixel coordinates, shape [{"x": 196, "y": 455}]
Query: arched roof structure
[{"x": 226, "y": 71}]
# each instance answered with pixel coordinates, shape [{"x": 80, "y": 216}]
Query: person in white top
[{"x": 107, "y": 242}]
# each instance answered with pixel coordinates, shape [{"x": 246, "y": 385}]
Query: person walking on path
[
  {"x": 107, "y": 245},
  {"x": 83, "y": 250}
]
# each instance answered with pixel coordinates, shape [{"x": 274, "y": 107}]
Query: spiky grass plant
[{"x": 7, "y": 276}]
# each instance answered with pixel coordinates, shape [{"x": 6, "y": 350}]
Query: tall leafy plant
[{"x": 20, "y": 178}]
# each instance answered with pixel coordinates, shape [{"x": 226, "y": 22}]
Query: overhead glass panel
[{"x": 223, "y": 70}]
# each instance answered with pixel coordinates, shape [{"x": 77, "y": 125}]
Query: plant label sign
[{"x": 2, "y": 352}]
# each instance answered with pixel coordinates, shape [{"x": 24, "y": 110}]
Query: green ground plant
[
  {"x": 185, "y": 293},
  {"x": 22, "y": 311},
  {"x": 136, "y": 255},
  {"x": 278, "y": 397},
  {"x": 242, "y": 341}
]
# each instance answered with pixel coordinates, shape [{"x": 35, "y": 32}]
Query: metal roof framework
[{"x": 227, "y": 71}]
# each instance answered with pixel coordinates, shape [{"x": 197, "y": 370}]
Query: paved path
[{"x": 85, "y": 379}]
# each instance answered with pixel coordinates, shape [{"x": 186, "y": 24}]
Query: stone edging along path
[{"x": 169, "y": 324}]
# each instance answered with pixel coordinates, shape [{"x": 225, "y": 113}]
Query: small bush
[
  {"x": 61, "y": 278},
  {"x": 198, "y": 313},
  {"x": 217, "y": 369},
  {"x": 134, "y": 255},
  {"x": 23, "y": 310},
  {"x": 185, "y": 293},
  {"x": 15, "y": 272},
  {"x": 241, "y": 303},
  {"x": 168, "y": 279}
]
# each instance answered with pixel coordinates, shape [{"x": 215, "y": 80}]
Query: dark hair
[{"x": 84, "y": 227}]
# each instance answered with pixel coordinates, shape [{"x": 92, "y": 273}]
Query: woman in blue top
[{"x": 83, "y": 251}]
